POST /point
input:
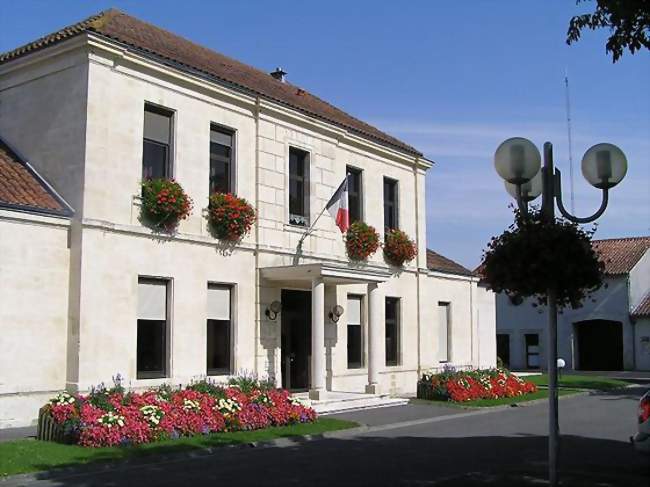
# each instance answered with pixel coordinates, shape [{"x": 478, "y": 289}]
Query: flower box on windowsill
[{"x": 299, "y": 221}]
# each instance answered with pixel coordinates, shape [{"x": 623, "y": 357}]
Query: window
[
  {"x": 221, "y": 160},
  {"x": 298, "y": 187},
  {"x": 390, "y": 204},
  {"x": 355, "y": 198},
  {"x": 151, "y": 356},
  {"x": 503, "y": 349},
  {"x": 157, "y": 143},
  {"x": 219, "y": 325},
  {"x": 355, "y": 332},
  {"x": 444, "y": 331},
  {"x": 392, "y": 331},
  {"x": 532, "y": 350}
]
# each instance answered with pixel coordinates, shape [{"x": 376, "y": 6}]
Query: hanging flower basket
[
  {"x": 361, "y": 241},
  {"x": 230, "y": 217},
  {"x": 399, "y": 248},
  {"x": 164, "y": 204},
  {"x": 534, "y": 255}
]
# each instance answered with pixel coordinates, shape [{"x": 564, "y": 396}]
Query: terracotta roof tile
[
  {"x": 437, "y": 262},
  {"x": 642, "y": 310},
  {"x": 187, "y": 55},
  {"x": 22, "y": 188},
  {"x": 620, "y": 255}
]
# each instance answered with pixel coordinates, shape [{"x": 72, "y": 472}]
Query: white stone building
[
  {"x": 611, "y": 331},
  {"x": 87, "y": 291}
]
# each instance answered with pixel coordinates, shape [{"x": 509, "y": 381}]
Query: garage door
[{"x": 600, "y": 345}]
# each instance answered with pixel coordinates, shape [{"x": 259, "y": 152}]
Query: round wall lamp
[
  {"x": 272, "y": 311},
  {"x": 336, "y": 313}
]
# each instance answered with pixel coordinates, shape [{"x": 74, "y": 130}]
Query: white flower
[
  {"x": 190, "y": 405},
  {"x": 62, "y": 398},
  {"x": 111, "y": 419}
]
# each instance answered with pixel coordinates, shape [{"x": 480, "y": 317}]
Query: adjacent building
[
  {"x": 88, "y": 291},
  {"x": 611, "y": 331}
]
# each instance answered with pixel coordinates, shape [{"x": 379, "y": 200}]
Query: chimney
[{"x": 279, "y": 74}]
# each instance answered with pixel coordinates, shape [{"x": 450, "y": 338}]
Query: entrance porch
[{"x": 303, "y": 317}]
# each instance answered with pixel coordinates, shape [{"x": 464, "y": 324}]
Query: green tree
[{"x": 627, "y": 20}]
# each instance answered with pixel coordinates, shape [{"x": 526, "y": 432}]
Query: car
[{"x": 641, "y": 440}]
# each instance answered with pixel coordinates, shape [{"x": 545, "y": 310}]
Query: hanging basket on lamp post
[{"x": 534, "y": 255}]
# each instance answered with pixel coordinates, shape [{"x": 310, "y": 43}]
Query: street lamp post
[{"x": 518, "y": 162}]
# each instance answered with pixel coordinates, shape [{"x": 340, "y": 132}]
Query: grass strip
[
  {"x": 592, "y": 382},
  {"x": 29, "y": 455}
]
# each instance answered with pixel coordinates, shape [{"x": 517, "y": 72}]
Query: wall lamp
[
  {"x": 272, "y": 311},
  {"x": 336, "y": 313}
]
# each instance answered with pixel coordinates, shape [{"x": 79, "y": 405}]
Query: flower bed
[
  {"x": 114, "y": 417},
  {"x": 164, "y": 203},
  {"x": 230, "y": 217},
  {"x": 361, "y": 241},
  {"x": 399, "y": 248},
  {"x": 461, "y": 386}
]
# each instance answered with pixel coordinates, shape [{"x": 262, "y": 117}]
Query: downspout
[
  {"x": 472, "y": 322},
  {"x": 418, "y": 274},
  {"x": 258, "y": 322}
]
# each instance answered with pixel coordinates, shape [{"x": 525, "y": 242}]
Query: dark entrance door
[
  {"x": 600, "y": 345},
  {"x": 296, "y": 339},
  {"x": 503, "y": 349}
]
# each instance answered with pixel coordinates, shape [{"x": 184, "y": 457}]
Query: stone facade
[{"x": 75, "y": 110}]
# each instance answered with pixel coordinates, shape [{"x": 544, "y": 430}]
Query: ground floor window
[
  {"x": 392, "y": 331},
  {"x": 355, "y": 332},
  {"x": 443, "y": 331},
  {"x": 532, "y": 350},
  {"x": 151, "y": 355},
  {"x": 219, "y": 330}
]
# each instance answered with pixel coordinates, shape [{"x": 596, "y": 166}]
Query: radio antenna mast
[{"x": 568, "y": 127}]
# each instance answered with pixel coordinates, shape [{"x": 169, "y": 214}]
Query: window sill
[{"x": 289, "y": 227}]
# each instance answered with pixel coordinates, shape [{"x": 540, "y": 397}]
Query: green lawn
[
  {"x": 579, "y": 381},
  {"x": 503, "y": 401},
  {"x": 23, "y": 456}
]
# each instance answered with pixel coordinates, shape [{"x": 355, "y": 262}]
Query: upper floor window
[
  {"x": 221, "y": 160},
  {"x": 390, "y": 204},
  {"x": 298, "y": 187},
  {"x": 157, "y": 142},
  {"x": 355, "y": 196}
]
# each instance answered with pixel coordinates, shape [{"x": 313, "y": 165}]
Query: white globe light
[
  {"x": 529, "y": 190},
  {"x": 604, "y": 166},
  {"x": 517, "y": 160}
]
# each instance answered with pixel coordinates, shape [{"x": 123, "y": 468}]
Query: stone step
[{"x": 337, "y": 405}]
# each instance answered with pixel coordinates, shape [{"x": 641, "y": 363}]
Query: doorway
[
  {"x": 296, "y": 339},
  {"x": 503, "y": 349},
  {"x": 600, "y": 345}
]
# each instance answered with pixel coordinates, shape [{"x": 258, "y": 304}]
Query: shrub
[
  {"x": 399, "y": 248},
  {"x": 361, "y": 241},
  {"x": 230, "y": 217},
  {"x": 164, "y": 203},
  {"x": 201, "y": 408},
  {"x": 460, "y": 386}
]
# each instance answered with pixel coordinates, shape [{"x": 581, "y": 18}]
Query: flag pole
[{"x": 311, "y": 228}]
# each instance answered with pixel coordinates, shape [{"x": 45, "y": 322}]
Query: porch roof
[{"x": 330, "y": 273}]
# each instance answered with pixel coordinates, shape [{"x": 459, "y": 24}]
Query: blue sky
[{"x": 453, "y": 79}]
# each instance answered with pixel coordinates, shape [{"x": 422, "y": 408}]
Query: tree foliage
[
  {"x": 534, "y": 255},
  {"x": 627, "y": 20}
]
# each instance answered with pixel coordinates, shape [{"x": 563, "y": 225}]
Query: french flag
[{"x": 338, "y": 207}]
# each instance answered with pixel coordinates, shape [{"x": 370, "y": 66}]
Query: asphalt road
[{"x": 432, "y": 446}]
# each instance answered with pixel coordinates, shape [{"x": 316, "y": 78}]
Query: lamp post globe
[
  {"x": 530, "y": 190},
  {"x": 604, "y": 166},
  {"x": 517, "y": 160}
]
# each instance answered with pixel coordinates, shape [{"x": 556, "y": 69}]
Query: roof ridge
[
  {"x": 118, "y": 26},
  {"x": 638, "y": 237}
]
